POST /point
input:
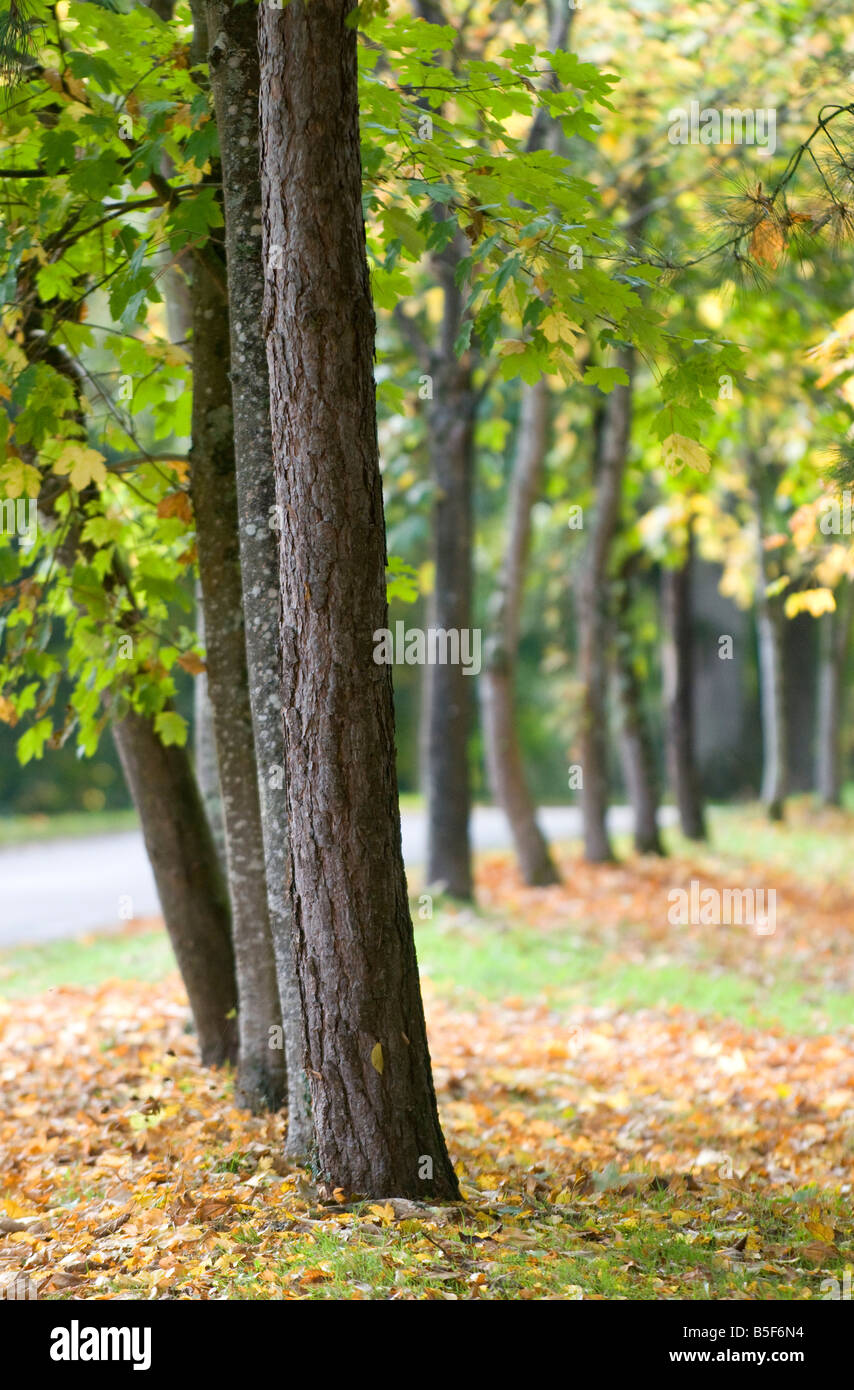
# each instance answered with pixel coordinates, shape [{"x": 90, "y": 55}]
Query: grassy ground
[
  {"x": 635, "y": 1110},
  {"x": 22, "y": 830}
]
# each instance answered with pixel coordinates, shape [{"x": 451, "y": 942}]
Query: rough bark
[
  {"x": 678, "y": 675},
  {"x": 611, "y": 442},
  {"x": 190, "y": 885},
  {"x": 234, "y": 67},
  {"x": 835, "y": 636},
  {"x": 261, "y": 1073},
  {"x": 503, "y": 751},
  {"x": 636, "y": 750},
  {"x": 368, "y": 1063}
]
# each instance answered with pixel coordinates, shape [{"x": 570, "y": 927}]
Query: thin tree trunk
[
  {"x": 636, "y": 751},
  {"x": 613, "y": 427},
  {"x": 772, "y": 687},
  {"x": 261, "y": 1076},
  {"x": 678, "y": 673},
  {"x": 503, "y": 752},
  {"x": 450, "y": 424},
  {"x": 204, "y": 744},
  {"x": 769, "y": 622},
  {"x": 835, "y": 636},
  {"x": 368, "y": 1063},
  {"x": 235, "y": 78},
  {"x": 190, "y": 885}
]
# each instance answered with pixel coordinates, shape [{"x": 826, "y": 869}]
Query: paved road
[{"x": 61, "y": 888}]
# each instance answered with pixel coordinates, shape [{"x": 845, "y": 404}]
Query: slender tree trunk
[
  {"x": 234, "y": 66},
  {"x": 368, "y": 1063},
  {"x": 611, "y": 444},
  {"x": 503, "y": 752},
  {"x": 190, "y": 885},
  {"x": 678, "y": 673},
  {"x": 769, "y": 628},
  {"x": 772, "y": 685},
  {"x": 261, "y": 1078},
  {"x": 636, "y": 751},
  {"x": 835, "y": 636},
  {"x": 204, "y": 744},
  {"x": 450, "y": 425}
]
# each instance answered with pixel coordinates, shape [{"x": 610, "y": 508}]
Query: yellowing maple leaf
[
  {"x": 81, "y": 465},
  {"x": 18, "y": 477},
  {"x": 678, "y": 450}
]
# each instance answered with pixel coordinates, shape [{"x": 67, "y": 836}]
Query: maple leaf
[
  {"x": 678, "y": 451},
  {"x": 82, "y": 466},
  {"x": 176, "y": 504}
]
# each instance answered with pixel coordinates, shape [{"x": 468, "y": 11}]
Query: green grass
[
  {"x": 85, "y": 961},
  {"x": 21, "y": 830},
  {"x": 483, "y": 958},
  {"x": 472, "y": 954}
]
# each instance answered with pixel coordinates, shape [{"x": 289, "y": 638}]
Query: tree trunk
[
  {"x": 368, "y": 1063},
  {"x": 678, "y": 673},
  {"x": 835, "y": 635},
  {"x": 204, "y": 744},
  {"x": 769, "y": 623},
  {"x": 503, "y": 753},
  {"x": 636, "y": 751},
  {"x": 261, "y": 1076},
  {"x": 772, "y": 686},
  {"x": 189, "y": 882},
  {"x": 611, "y": 443},
  {"x": 234, "y": 66},
  {"x": 450, "y": 432}
]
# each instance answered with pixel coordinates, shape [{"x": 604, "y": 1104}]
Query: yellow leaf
[
  {"x": 678, "y": 451},
  {"x": 18, "y": 477},
  {"x": 81, "y": 465},
  {"x": 8, "y": 713},
  {"x": 377, "y": 1058},
  {"x": 812, "y": 601},
  {"x": 383, "y": 1213}
]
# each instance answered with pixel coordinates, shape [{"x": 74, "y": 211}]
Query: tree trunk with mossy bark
[
  {"x": 261, "y": 1071},
  {"x": 234, "y": 68}
]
